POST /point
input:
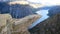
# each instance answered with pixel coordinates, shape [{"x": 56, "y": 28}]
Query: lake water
[{"x": 44, "y": 16}]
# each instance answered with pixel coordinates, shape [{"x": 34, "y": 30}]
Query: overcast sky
[{"x": 46, "y": 2}]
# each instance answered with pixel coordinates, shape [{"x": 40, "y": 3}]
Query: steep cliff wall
[{"x": 48, "y": 26}]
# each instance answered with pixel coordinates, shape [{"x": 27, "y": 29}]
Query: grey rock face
[
  {"x": 4, "y": 7},
  {"x": 16, "y": 10},
  {"x": 19, "y": 11}
]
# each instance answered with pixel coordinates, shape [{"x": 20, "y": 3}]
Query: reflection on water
[
  {"x": 44, "y": 16},
  {"x": 42, "y": 12}
]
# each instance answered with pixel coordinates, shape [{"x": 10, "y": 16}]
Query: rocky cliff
[
  {"x": 48, "y": 26},
  {"x": 16, "y": 26}
]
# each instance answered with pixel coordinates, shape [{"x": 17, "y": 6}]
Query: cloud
[{"x": 47, "y": 2}]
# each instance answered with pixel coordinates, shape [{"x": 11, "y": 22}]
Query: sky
[{"x": 46, "y": 2}]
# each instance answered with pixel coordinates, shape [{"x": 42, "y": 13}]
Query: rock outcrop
[
  {"x": 19, "y": 26},
  {"x": 3, "y": 20}
]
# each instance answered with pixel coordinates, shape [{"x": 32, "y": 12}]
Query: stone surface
[
  {"x": 3, "y": 20},
  {"x": 19, "y": 26},
  {"x": 16, "y": 10}
]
